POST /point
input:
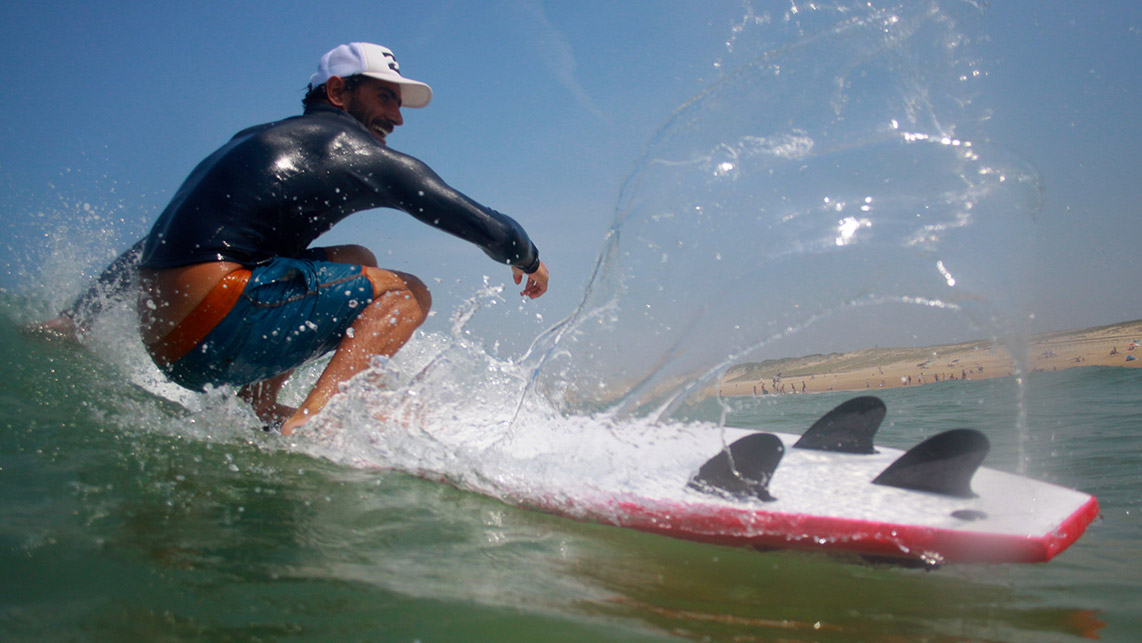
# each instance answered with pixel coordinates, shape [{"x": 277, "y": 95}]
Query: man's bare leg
[
  {"x": 263, "y": 396},
  {"x": 61, "y": 328},
  {"x": 400, "y": 306}
]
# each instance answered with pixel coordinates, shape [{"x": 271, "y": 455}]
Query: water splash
[
  {"x": 829, "y": 172},
  {"x": 443, "y": 408}
]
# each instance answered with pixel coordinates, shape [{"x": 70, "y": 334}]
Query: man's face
[{"x": 376, "y": 104}]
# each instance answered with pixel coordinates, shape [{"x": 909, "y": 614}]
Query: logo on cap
[{"x": 392, "y": 61}]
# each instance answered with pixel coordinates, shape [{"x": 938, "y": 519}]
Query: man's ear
[{"x": 335, "y": 91}]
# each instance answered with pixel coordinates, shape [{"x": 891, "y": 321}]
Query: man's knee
[
  {"x": 418, "y": 290},
  {"x": 402, "y": 284},
  {"x": 351, "y": 254}
]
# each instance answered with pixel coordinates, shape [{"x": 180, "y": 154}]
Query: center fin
[
  {"x": 944, "y": 463},
  {"x": 849, "y": 428},
  {"x": 743, "y": 470}
]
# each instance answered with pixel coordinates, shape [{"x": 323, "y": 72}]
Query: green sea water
[{"x": 113, "y": 526}]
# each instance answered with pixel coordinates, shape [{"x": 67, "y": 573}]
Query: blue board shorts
[{"x": 290, "y": 312}]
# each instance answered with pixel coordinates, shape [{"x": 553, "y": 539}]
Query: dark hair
[{"x": 316, "y": 95}]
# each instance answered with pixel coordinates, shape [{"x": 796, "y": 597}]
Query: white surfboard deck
[{"x": 825, "y": 501}]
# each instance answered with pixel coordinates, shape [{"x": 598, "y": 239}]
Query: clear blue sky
[{"x": 541, "y": 110}]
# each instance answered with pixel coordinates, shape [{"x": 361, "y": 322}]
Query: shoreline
[{"x": 877, "y": 368}]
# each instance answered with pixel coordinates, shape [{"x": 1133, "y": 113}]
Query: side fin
[
  {"x": 943, "y": 463},
  {"x": 743, "y": 470},
  {"x": 849, "y": 428}
]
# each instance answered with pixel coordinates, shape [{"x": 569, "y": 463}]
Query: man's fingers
[
  {"x": 536, "y": 282},
  {"x": 533, "y": 289}
]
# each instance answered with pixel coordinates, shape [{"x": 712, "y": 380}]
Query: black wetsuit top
[{"x": 274, "y": 188}]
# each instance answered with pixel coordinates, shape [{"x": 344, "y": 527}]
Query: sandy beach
[{"x": 875, "y": 368}]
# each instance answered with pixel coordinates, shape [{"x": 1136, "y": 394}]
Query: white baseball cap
[{"x": 374, "y": 61}]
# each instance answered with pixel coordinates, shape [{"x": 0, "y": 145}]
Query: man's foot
[
  {"x": 295, "y": 421},
  {"x": 274, "y": 418},
  {"x": 263, "y": 398},
  {"x": 61, "y": 328}
]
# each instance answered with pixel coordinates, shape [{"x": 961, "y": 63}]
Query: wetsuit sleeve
[
  {"x": 115, "y": 280},
  {"x": 422, "y": 193}
]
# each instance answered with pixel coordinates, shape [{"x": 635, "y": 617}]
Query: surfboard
[{"x": 833, "y": 490}]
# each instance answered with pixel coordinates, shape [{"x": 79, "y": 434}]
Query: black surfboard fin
[
  {"x": 944, "y": 464},
  {"x": 743, "y": 470},
  {"x": 849, "y": 428}
]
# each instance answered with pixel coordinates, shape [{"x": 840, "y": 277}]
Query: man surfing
[{"x": 230, "y": 291}]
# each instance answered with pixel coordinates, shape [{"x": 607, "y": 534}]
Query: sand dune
[{"x": 875, "y": 368}]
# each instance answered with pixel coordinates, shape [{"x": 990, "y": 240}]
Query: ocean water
[
  {"x": 833, "y": 189},
  {"x": 117, "y": 524}
]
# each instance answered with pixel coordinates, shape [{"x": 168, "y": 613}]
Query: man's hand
[{"x": 536, "y": 281}]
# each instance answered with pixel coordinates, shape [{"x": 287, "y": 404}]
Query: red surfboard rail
[{"x": 758, "y": 528}]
